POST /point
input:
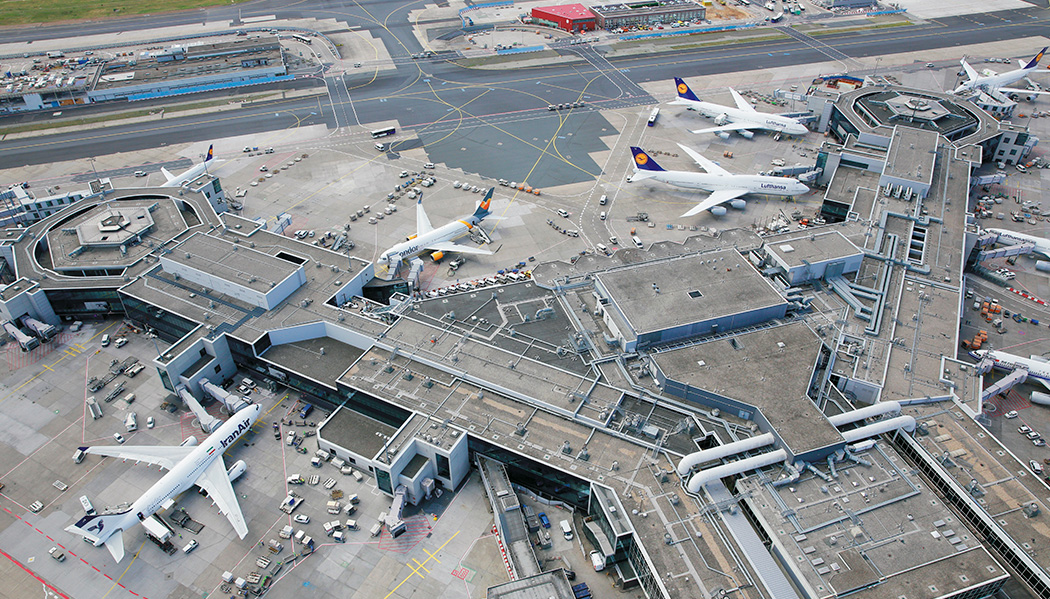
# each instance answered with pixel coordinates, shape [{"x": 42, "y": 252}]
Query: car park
[
  {"x": 1023, "y": 429},
  {"x": 1035, "y": 466},
  {"x": 118, "y": 438},
  {"x": 1033, "y": 435},
  {"x": 121, "y": 341},
  {"x": 150, "y": 422},
  {"x": 302, "y": 519},
  {"x": 544, "y": 520},
  {"x": 1010, "y": 414}
]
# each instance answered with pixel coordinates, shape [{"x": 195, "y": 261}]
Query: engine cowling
[
  {"x": 723, "y": 134},
  {"x": 718, "y": 211},
  {"x": 190, "y": 441},
  {"x": 437, "y": 256},
  {"x": 746, "y": 134},
  {"x": 738, "y": 204},
  {"x": 722, "y": 119},
  {"x": 235, "y": 471}
]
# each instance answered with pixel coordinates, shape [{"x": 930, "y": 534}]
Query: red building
[{"x": 570, "y": 17}]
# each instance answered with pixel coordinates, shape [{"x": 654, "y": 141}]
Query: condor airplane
[
  {"x": 725, "y": 187},
  {"x": 439, "y": 240},
  {"x": 187, "y": 464},
  {"x": 742, "y": 119},
  {"x": 192, "y": 173},
  {"x": 998, "y": 81}
]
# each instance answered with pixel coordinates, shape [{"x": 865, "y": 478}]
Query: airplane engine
[
  {"x": 189, "y": 442},
  {"x": 723, "y": 134},
  {"x": 747, "y": 134},
  {"x": 738, "y": 204},
  {"x": 722, "y": 119},
  {"x": 237, "y": 470},
  {"x": 410, "y": 238},
  {"x": 437, "y": 256},
  {"x": 718, "y": 211},
  {"x": 1030, "y": 97},
  {"x": 1014, "y": 97}
]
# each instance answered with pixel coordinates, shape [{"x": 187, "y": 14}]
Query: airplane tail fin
[
  {"x": 1035, "y": 61},
  {"x": 483, "y": 208},
  {"x": 167, "y": 174},
  {"x": 102, "y": 529},
  {"x": 211, "y": 153},
  {"x": 644, "y": 162},
  {"x": 684, "y": 92}
]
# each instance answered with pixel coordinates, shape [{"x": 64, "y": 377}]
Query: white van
[
  {"x": 78, "y": 456},
  {"x": 601, "y": 247},
  {"x": 566, "y": 529},
  {"x": 598, "y": 561},
  {"x": 381, "y": 147},
  {"x": 637, "y": 242},
  {"x": 602, "y": 215},
  {"x": 131, "y": 422},
  {"x": 105, "y": 341}
]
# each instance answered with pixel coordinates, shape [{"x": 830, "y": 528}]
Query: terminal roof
[{"x": 687, "y": 289}]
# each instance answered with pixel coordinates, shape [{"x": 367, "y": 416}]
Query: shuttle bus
[
  {"x": 302, "y": 38},
  {"x": 383, "y": 132}
]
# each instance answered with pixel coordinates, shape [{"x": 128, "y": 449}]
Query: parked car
[
  {"x": 1010, "y": 414},
  {"x": 544, "y": 520},
  {"x": 118, "y": 438},
  {"x": 302, "y": 519}
]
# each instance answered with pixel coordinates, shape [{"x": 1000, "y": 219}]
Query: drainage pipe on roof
[
  {"x": 740, "y": 466},
  {"x": 857, "y": 459},
  {"x": 818, "y": 473},
  {"x": 723, "y": 451},
  {"x": 883, "y": 426},
  {"x": 877, "y": 409}
]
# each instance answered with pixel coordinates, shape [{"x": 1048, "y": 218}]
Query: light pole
[{"x": 878, "y": 59}]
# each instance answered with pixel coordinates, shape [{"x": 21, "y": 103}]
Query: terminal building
[
  {"x": 631, "y": 14},
  {"x": 734, "y": 415}
]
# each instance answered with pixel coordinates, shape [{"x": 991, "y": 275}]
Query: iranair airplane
[
  {"x": 743, "y": 119},
  {"x": 187, "y": 464},
  {"x": 725, "y": 187},
  {"x": 191, "y": 174},
  {"x": 998, "y": 81},
  {"x": 439, "y": 240},
  {"x": 1042, "y": 245}
]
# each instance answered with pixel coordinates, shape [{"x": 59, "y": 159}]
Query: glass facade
[
  {"x": 539, "y": 477},
  {"x": 383, "y": 481},
  {"x": 443, "y": 469},
  {"x": 84, "y": 302}
]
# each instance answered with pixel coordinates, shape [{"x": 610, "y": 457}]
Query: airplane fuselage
[
  {"x": 1042, "y": 245},
  {"x": 417, "y": 245},
  {"x": 755, "y": 120},
  {"x": 185, "y": 473},
  {"x": 1005, "y": 361},
  {"x": 756, "y": 184}
]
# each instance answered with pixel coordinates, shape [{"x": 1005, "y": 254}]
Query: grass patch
[
  {"x": 23, "y": 12},
  {"x": 118, "y": 116},
  {"x": 497, "y": 60},
  {"x": 729, "y": 42},
  {"x": 854, "y": 29}
]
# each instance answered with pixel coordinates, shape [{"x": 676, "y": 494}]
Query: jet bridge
[
  {"x": 1020, "y": 249},
  {"x": 232, "y": 402},
  {"x": 208, "y": 422},
  {"x": 1016, "y": 377},
  {"x": 394, "y": 524}
]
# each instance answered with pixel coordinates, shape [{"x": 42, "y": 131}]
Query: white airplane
[
  {"x": 187, "y": 464},
  {"x": 725, "y": 187},
  {"x": 192, "y": 173},
  {"x": 1037, "y": 369},
  {"x": 1042, "y": 245},
  {"x": 998, "y": 81},
  {"x": 439, "y": 240},
  {"x": 742, "y": 119}
]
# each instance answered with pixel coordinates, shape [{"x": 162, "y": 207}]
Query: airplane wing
[
  {"x": 216, "y": 482},
  {"x": 971, "y": 73},
  {"x": 422, "y": 220},
  {"x": 704, "y": 163},
  {"x": 162, "y": 455},
  {"x": 729, "y": 127},
  {"x": 1024, "y": 91},
  {"x": 741, "y": 103},
  {"x": 167, "y": 174},
  {"x": 448, "y": 246},
  {"x": 718, "y": 197}
]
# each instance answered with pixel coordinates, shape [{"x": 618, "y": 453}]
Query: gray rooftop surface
[
  {"x": 757, "y": 372},
  {"x": 549, "y": 585},
  {"x": 322, "y": 359},
  {"x": 359, "y": 433},
  {"x": 799, "y": 248},
  {"x": 911, "y": 154},
  {"x": 232, "y": 262},
  {"x": 727, "y": 281}
]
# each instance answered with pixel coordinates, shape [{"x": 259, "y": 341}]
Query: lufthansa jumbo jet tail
[
  {"x": 644, "y": 165},
  {"x": 191, "y": 173}
]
